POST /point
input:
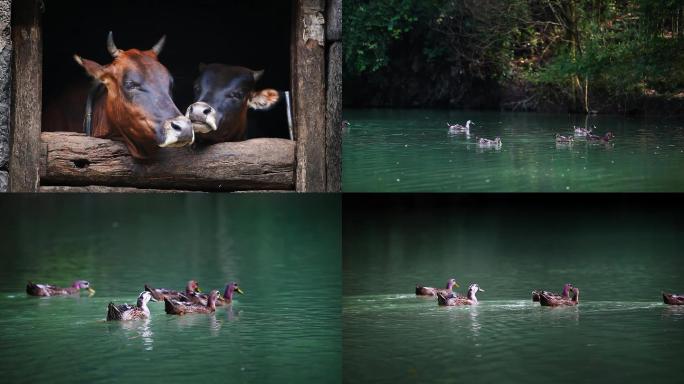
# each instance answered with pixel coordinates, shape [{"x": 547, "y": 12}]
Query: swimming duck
[
  {"x": 430, "y": 291},
  {"x": 554, "y": 301},
  {"x": 129, "y": 312},
  {"x": 579, "y": 131},
  {"x": 672, "y": 299},
  {"x": 226, "y": 299},
  {"x": 52, "y": 290},
  {"x": 564, "y": 295},
  {"x": 160, "y": 294},
  {"x": 487, "y": 143},
  {"x": 173, "y": 307},
  {"x": 458, "y": 128},
  {"x": 564, "y": 139},
  {"x": 452, "y": 299},
  {"x": 607, "y": 138}
]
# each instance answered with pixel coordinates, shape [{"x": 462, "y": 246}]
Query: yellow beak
[
  {"x": 91, "y": 291},
  {"x": 238, "y": 290}
]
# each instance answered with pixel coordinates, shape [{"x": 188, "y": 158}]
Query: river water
[
  {"x": 282, "y": 249},
  {"x": 620, "y": 251},
  {"x": 391, "y": 150}
]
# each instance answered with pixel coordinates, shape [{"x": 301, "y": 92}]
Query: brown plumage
[
  {"x": 174, "y": 307},
  {"x": 672, "y": 299},
  {"x": 129, "y": 312},
  {"x": 34, "y": 289},
  {"x": 430, "y": 291},
  {"x": 160, "y": 294},
  {"x": 553, "y": 301}
]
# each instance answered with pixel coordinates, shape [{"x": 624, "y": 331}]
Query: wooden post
[
  {"x": 27, "y": 72},
  {"x": 333, "y": 138},
  {"x": 308, "y": 86}
]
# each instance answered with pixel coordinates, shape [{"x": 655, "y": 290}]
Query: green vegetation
[{"x": 578, "y": 55}]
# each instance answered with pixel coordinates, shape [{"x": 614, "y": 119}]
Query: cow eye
[
  {"x": 235, "y": 95},
  {"x": 130, "y": 84}
]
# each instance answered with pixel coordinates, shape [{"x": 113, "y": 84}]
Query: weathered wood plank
[
  {"x": 73, "y": 159},
  {"x": 333, "y": 20},
  {"x": 333, "y": 119},
  {"x": 26, "y": 96},
  {"x": 308, "y": 85},
  {"x": 102, "y": 189}
]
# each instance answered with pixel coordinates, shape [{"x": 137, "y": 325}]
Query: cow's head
[
  {"x": 223, "y": 94},
  {"x": 138, "y": 103}
]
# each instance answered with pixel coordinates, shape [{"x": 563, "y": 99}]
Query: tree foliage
[{"x": 579, "y": 53}]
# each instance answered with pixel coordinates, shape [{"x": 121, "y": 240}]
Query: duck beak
[
  {"x": 238, "y": 290},
  {"x": 198, "y": 289},
  {"x": 480, "y": 289},
  {"x": 456, "y": 285},
  {"x": 91, "y": 291}
]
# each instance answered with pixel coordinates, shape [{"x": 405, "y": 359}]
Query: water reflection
[{"x": 133, "y": 330}]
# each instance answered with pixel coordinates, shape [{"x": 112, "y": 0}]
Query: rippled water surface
[
  {"x": 620, "y": 258},
  {"x": 411, "y": 150},
  {"x": 284, "y": 252}
]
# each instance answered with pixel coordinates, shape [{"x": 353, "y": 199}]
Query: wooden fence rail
[{"x": 73, "y": 159}]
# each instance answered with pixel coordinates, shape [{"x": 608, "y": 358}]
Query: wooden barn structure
[{"x": 32, "y": 160}]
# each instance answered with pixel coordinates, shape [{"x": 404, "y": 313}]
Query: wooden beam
[
  {"x": 333, "y": 120},
  {"x": 333, "y": 20},
  {"x": 101, "y": 189},
  {"x": 308, "y": 86},
  {"x": 73, "y": 159},
  {"x": 27, "y": 73}
]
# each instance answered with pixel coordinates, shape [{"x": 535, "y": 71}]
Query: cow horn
[
  {"x": 111, "y": 47},
  {"x": 160, "y": 44}
]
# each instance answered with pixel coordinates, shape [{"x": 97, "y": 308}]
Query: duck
[
  {"x": 554, "y": 301},
  {"x": 564, "y": 139},
  {"x": 191, "y": 289},
  {"x": 430, "y": 291},
  {"x": 607, "y": 138},
  {"x": 174, "y": 307},
  {"x": 487, "y": 143},
  {"x": 444, "y": 299},
  {"x": 564, "y": 295},
  {"x": 34, "y": 289},
  {"x": 673, "y": 299},
  {"x": 579, "y": 131},
  {"x": 458, "y": 128},
  {"x": 226, "y": 299},
  {"x": 129, "y": 312}
]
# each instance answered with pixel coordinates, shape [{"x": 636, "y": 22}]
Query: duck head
[
  {"x": 472, "y": 290},
  {"x": 230, "y": 288},
  {"x": 143, "y": 298},
  {"x": 83, "y": 284},
  {"x": 468, "y": 123},
  {"x": 452, "y": 283},
  {"x": 566, "y": 289},
  {"x": 193, "y": 286},
  {"x": 609, "y": 136}
]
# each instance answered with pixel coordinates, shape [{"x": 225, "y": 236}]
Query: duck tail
[
  {"x": 113, "y": 312},
  {"x": 169, "y": 307},
  {"x": 441, "y": 299}
]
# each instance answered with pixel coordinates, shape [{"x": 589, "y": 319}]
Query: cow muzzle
[
  {"x": 177, "y": 132},
  {"x": 203, "y": 117}
]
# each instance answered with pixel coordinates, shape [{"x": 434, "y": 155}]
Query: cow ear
[
  {"x": 257, "y": 75},
  {"x": 202, "y": 66},
  {"x": 94, "y": 69},
  {"x": 263, "y": 99}
]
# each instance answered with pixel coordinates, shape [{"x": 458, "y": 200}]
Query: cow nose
[
  {"x": 203, "y": 117},
  {"x": 178, "y": 132}
]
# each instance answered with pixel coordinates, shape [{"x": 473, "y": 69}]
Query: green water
[
  {"x": 620, "y": 251},
  {"x": 284, "y": 250},
  {"x": 411, "y": 151}
]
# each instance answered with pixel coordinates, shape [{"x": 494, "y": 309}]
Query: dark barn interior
[{"x": 254, "y": 34}]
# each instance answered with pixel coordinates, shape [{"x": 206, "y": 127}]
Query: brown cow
[
  {"x": 137, "y": 105},
  {"x": 223, "y": 94}
]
